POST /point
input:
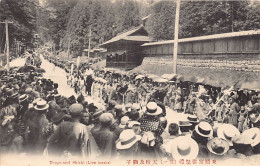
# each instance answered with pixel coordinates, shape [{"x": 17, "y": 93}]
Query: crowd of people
[{"x": 129, "y": 119}]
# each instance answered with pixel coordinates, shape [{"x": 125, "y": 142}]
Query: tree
[{"x": 22, "y": 13}]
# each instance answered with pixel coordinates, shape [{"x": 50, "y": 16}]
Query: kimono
[{"x": 73, "y": 138}]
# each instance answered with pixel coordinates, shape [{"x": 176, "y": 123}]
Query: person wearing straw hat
[
  {"x": 184, "y": 148},
  {"x": 73, "y": 137},
  {"x": 127, "y": 145},
  {"x": 202, "y": 133},
  {"x": 35, "y": 139},
  {"x": 193, "y": 119},
  {"x": 152, "y": 128},
  {"x": 150, "y": 120},
  {"x": 123, "y": 122},
  {"x": 227, "y": 132},
  {"x": 254, "y": 134},
  {"x": 218, "y": 148},
  {"x": 185, "y": 127},
  {"x": 241, "y": 147}
]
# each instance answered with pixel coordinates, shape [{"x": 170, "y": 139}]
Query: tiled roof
[{"x": 209, "y": 37}]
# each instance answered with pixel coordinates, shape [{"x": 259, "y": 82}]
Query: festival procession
[{"x": 129, "y": 95}]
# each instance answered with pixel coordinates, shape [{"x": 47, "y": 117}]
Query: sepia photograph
[{"x": 129, "y": 82}]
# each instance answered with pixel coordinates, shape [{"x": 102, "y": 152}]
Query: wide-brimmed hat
[
  {"x": 242, "y": 140},
  {"x": 242, "y": 144},
  {"x": 227, "y": 132},
  {"x": 128, "y": 107},
  {"x": 204, "y": 129},
  {"x": 76, "y": 109},
  {"x": 254, "y": 134},
  {"x": 153, "y": 109},
  {"x": 184, "y": 123},
  {"x": 96, "y": 115},
  {"x": 136, "y": 106},
  {"x": 127, "y": 139},
  {"x": 254, "y": 117},
  {"x": 184, "y": 147},
  {"x": 35, "y": 101},
  {"x": 218, "y": 146},
  {"x": 58, "y": 117},
  {"x": 14, "y": 95},
  {"x": 118, "y": 107},
  {"x": 41, "y": 105},
  {"x": 23, "y": 97},
  {"x": 131, "y": 124},
  {"x": 123, "y": 121},
  {"x": 193, "y": 119}
]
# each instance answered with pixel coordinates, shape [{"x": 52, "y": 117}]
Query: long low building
[{"x": 235, "y": 45}]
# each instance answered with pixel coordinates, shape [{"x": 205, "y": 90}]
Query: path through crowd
[{"x": 58, "y": 75}]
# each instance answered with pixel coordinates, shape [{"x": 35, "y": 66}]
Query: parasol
[
  {"x": 26, "y": 69},
  {"x": 139, "y": 77}
]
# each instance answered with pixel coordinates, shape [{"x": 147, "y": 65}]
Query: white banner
[{"x": 78, "y": 61}]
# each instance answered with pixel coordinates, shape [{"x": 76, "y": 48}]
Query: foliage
[{"x": 22, "y": 13}]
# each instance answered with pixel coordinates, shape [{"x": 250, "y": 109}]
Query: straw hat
[
  {"x": 41, "y": 105},
  {"x": 227, "y": 132},
  {"x": 127, "y": 139},
  {"x": 254, "y": 134},
  {"x": 58, "y": 117},
  {"x": 136, "y": 106},
  {"x": 153, "y": 109},
  {"x": 184, "y": 123},
  {"x": 133, "y": 123},
  {"x": 254, "y": 117},
  {"x": 96, "y": 115},
  {"x": 123, "y": 122},
  {"x": 204, "y": 129},
  {"x": 128, "y": 107},
  {"x": 193, "y": 119},
  {"x": 218, "y": 146},
  {"x": 184, "y": 147},
  {"x": 23, "y": 97}
]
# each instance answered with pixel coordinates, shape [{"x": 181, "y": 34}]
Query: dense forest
[{"x": 69, "y": 22}]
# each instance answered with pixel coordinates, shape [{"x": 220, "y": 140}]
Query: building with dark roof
[{"x": 124, "y": 50}]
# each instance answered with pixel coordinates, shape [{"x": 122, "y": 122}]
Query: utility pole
[
  {"x": 89, "y": 39},
  {"x": 68, "y": 50},
  {"x": 7, "y": 42},
  {"x": 176, "y": 32}
]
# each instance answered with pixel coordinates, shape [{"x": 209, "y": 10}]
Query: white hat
[
  {"x": 153, "y": 109},
  {"x": 136, "y": 106},
  {"x": 41, "y": 105},
  {"x": 123, "y": 122},
  {"x": 127, "y": 139},
  {"x": 132, "y": 123},
  {"x": 227, "y": 132},
  {"x": 184, "y": 147},
  {"x": 254, "y": 134},
  {"x": 204, "y": 129}
]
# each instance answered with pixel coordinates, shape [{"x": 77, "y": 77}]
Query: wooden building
[
  {"x": 235, "y": 45},
  {"x": 124, "y": 50},
  {"x": 95, "y": 53}
]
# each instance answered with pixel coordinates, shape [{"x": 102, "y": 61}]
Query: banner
[{"x": 78, "y": 61}]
